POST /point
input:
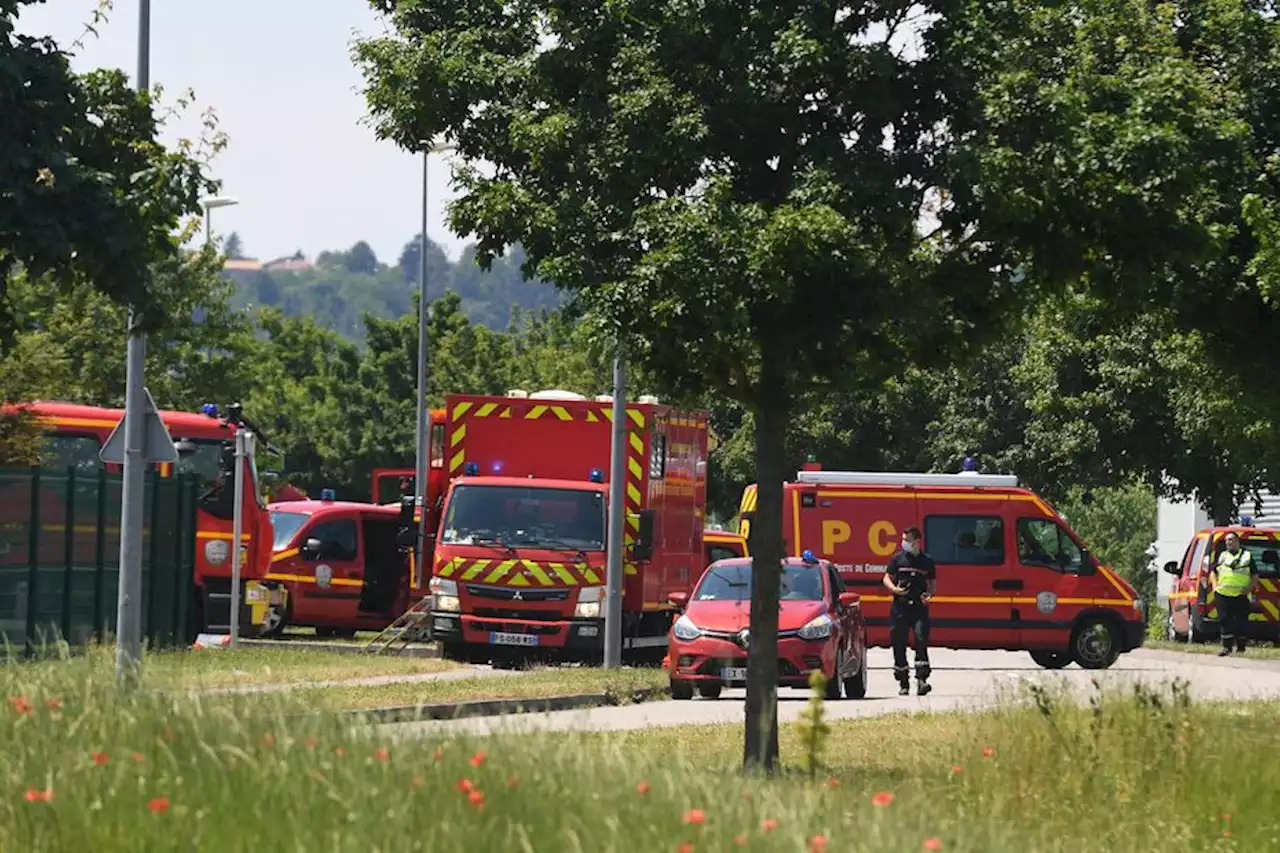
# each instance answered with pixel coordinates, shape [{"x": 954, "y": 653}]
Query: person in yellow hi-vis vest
[{"x": 1234, "y": 581}]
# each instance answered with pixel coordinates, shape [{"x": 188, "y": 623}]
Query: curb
[
  {"x": 496, "y": 707},
  {"x": 339, "y": 648}
]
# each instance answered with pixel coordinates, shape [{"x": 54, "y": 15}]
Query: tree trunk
[
  {"x": 1222, "y": 503},
  {"x": 760, "y": 751}
]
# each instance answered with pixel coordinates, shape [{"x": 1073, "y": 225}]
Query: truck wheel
[
  {"x": 1171, "y": 633},
  {"x": 1095, "y": 643},
  {"x": 1050, "y": 659},
  {"x": 1199, "y": 631},
  {"x": 275, "y": 622},
  {"x": 710, "y": 691},
  {"x": 681, "y": 690}
]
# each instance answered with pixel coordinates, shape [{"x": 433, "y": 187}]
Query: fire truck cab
[
  {"x": 340, "y": 562},
  {"x": 1193, "y": 609},
  {"x": 1012, "y": 574},
  {"x": 519, "y": 562}
]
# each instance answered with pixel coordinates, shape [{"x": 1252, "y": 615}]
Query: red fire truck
[
  {"x": 1193, "y": 607},
  {"x": 74, "y": 435},
  {"x": 519, "y": 563},
  {"x": 1011, "y": 573}
]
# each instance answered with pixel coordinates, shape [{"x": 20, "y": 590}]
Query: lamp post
[
  {"x": 420, "y": 438},
  {"x": 209, "y": 203}
]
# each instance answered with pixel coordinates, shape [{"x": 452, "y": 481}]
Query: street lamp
[
  {"x": 420, "y": 439},
  {"x": 209, "y": 203}
]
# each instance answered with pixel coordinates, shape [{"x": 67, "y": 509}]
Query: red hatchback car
[{"x": 820, "y": 627}]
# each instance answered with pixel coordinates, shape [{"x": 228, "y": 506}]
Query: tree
[
  {"x": 234, "y": 248},
  {"x": 361, "y": 259},
  {"x": 714, "y": 179},
  {"x": 90, "y": 194}
]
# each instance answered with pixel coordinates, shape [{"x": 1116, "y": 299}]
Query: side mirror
[
  {"x": 850, "y": 599},
  {"x": 1088, "y": 563},
  {"x": 184, "y": 447},
  {"x": 678, "y": 599},
  {"x": 312, "y": 549},
  {"x": 1171, "y": 568},
  {"x": 642, "y": 550}
]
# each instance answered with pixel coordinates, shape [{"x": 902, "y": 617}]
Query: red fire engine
[
  {"x": 519, "y": 563},
  {"x": 1193, "y": 607},
  {"x": 1011, "y": 573},
  {"x": 74, "y": 435}
]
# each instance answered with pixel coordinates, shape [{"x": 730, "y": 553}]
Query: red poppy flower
[
  {"x": 478, "y": 759},
  {"x": 339, "y": 751},
  {"x": 696, "y": 817},
  {"x": 382, "y": 754},
  {"x": 933, "y": 844},
  {"x": 988, "y": 752},
  {"x": 477, "y": 800},
  {"x": 513, "y": 780},
  {"x": 740, "y": 839},
  {"x": 439, "y": 754},
  {"x": 466, "y": 786},
  {"x": 882, "y": 799},
  {"x": 99, "y": 758},
  {"x": 35, "y": 795},
  {"x": 20, "y": 704},
  {"x": 833, "y": 782},
  {"x": 685, "y": 847},
  {"x": 956, "y": 769},
  {"x": 642, "y": 788},
  {"x": 53, "y": 703},
  {"x": 139, "y": 757},
  {"x": 310, "y": 743},
  {"x": 818, "y": 844},
  {"x": 768, "y": 825},
  {"x": 158, "y": 805}
]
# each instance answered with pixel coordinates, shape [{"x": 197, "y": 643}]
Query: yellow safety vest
[{"x": 1234, "y": 573}]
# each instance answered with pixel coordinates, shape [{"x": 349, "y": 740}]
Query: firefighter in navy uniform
[{"x": 912, "y": 578}]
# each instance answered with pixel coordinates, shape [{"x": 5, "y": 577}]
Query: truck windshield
[
  {"x": 733, "y": 583},
  {"x": 1265, "y": 554},
  {"x": 285, "y": 525},
  {"x": 525, "y": 516}
]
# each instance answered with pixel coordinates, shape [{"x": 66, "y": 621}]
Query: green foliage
[
  {"x": 90, "y": 194},
  {"x": 1119, "y": 525},
  {"x": 813, "y": 728},
  {"x": 340, "y": 288}
]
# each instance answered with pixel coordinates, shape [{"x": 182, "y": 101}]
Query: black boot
[{"x": 904, "y": 680}]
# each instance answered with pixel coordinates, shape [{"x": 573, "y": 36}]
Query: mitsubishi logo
[
  {"x": 743, "y": 636},
  {"x": 516, "y": 596}
]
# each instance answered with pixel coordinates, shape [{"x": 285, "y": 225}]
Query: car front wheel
[
  {"x": 1095, "y": 643},
  {"x": 681, "y": 690},
  {"x": 855, "y": 686}
]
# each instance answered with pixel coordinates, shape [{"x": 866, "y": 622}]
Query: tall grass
[{"x": 86, "y": 768}]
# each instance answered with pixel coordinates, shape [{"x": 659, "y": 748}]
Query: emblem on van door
[
  {"x": 743, "y": 637},
  {"x": 216, "y": 551},
  {"x": 516, "y": 596},
  {"x": 1047, "y": 602},
  {"x": 324, "y": 574}
]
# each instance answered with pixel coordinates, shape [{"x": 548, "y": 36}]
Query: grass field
[
  {"x": 214, "y": 668},
  {"x": 89, "y": 769},
  {"x": 551, "y": 681},
  {"x": 1261, "y": 651}
]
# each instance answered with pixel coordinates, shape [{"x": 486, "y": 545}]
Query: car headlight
[
  {"x": 444, "y": 595},
  {"x": 685, "y": 629},
  {"x": 818, "y": 629},
  {"x": 589, "y": 600}
]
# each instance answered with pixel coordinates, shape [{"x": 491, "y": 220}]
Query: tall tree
[
  {"x": 90, "y": 193},
  {"x": 735, "y": 188}
]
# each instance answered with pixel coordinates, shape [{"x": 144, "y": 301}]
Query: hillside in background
[{"x": 337, "y": 288}]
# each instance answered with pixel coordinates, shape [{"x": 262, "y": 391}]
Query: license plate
[
  {"x": 734, "y": 673},
  {"x": 500, "y": 639}
]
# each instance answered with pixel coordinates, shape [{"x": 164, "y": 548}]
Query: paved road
[{"x": 961, "y": 680}]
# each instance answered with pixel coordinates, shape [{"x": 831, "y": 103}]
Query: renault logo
[{"x": 743, "y": 636}]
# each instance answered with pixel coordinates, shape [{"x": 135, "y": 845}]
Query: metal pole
[
  {"x": 420, "y": 437},
  {"x": 129, "y": 595},
  {"x": 208, "y": 222},
  {"x": 237, "y": 530},
  {"x": 617, "y": 516}
]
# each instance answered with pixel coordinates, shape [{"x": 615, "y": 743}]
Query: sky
[{"x": 308, "y": 174}]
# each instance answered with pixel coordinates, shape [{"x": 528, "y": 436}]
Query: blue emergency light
[
  {"x": 808, "y": 557},
  {"x": 969, "y": 464},
  {"x": 596, "y": 475},
  {"x": 497, "y": 467},
  {"x": 471, "y": 469},
  {"x": 210, "y": 409},
  {"x": 328, "y": 494},
  {"x": 1246, "y": 521}
]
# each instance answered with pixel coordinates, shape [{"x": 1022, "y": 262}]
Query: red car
[{"x": 820, "y": 627}]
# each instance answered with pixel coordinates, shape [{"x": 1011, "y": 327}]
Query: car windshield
[
  {"x": 1265, "y": 554},
  {"x": 285, "y": 525},
  {"x": 732, "y": 582},
  {"x": 525, "y": 516}
]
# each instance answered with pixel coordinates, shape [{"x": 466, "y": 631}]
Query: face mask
[{"x": 910, "y": 547}]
